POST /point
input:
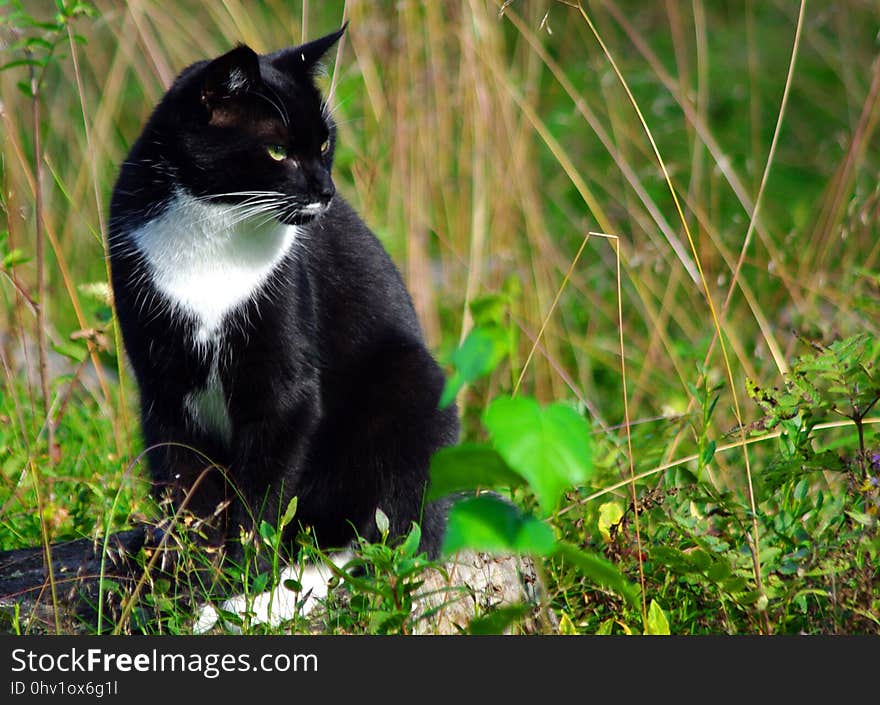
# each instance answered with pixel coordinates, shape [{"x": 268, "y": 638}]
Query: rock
[{"x": 474, "y": 584}]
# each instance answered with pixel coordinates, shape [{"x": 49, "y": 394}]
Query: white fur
[
  {"x": 280, "y": 604},
  {"x": 210, "y": 258},
  {"x": 207, "y": 406},
  {"x": 237, "y": 79},
  {"x": 314, "y": 208}
]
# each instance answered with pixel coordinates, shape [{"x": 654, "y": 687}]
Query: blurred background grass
[{"x": 482, "y": 141}]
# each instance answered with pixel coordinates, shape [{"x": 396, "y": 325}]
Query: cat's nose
[{"x": 326, "y": 189}]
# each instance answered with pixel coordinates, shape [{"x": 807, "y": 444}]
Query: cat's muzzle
[{"x": 307, "y": 213}]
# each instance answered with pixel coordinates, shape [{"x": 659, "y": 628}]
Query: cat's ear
[
  {"x": 304, "y": 58},
  {"x": 232, "y": 74}
]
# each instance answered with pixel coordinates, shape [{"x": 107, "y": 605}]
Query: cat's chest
[
  {"x": 208, "y": 260},
  {"x": 207, "y": 404}
]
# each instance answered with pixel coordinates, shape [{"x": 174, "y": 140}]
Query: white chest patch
[
  {"x": 210, "y": 258},
  {"x": 207, "y": 406}
]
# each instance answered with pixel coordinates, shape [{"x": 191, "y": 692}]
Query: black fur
[{"x": 331, "y": 392}]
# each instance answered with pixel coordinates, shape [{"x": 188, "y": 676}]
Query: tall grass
[{"x": 482, "y": 141}]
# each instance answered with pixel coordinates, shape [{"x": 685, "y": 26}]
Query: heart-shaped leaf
[
  {"x": 487, "y": 523},
  {"x": 469, "y": 466},
  {"x": 550, "y": 447}
]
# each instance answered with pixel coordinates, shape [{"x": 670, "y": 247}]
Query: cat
[{"x": 275, "y": 346}]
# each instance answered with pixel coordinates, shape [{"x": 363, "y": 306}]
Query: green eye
[
  {"x": 325, "y": 146},
  {"x": 277, "y": 152}
]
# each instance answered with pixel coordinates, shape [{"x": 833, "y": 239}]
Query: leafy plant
[
  {"x": 36, "y": 42},
  {"x": 839, "y": 379},
  {"x": 382, "y": 582},
  {"x": 817, "y": 508},
  {"x": 545, "y": 449}
]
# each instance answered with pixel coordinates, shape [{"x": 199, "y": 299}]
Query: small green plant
[
  {"x": 817, "y": 510},
  {"x": 544, "y": 449},
  {"x": 37, "y": 43},
  {"x": 382, "y": 581},
  {"x": 839, "y": 379}
]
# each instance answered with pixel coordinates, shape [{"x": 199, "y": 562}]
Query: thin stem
[
  {"x": 40, "y": 303},
  {"x": 550, "y": 313},
  {"x": 92, "y": 160},
  {"x": 629, "y": 449},
  {"x": 42, "y": 344},
  {"x": 770, "y": 157}
]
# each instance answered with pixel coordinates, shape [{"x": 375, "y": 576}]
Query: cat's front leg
[
  {"x": 382, "y": 424},
  {"x": 266, "y": 467},
  {"x": 272, "y": 435},
  {"x": 189, "y": 478}
]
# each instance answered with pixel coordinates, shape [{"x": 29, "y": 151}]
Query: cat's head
[{"x": 252, "y": 130}]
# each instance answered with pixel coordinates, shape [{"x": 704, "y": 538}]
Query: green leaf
[
  {"x": 109, "y": 585},
  {"x": 735, "y": 584},
  {"x": 656, "y": 623},
  {"x": 719, "y": 570},
  {"x": 38, "y": 42},
  {"x": 605, "y": 628},
  {"x": 70, "y": 350},
  {"x": 13, "y": 258},
  {"x": 674, "y": 559},
  {"x": 411, "y": 545},
  {"x": 610, "y": 514},
  {"x": 699, "y": 559},
  {"x": 261, "y": 582},
  {"x": 292, "y": 585},
  {"x": 384, "y": 621},
  {"x": 382, "y": 523},
  {"x": 29, "y": 21},
  {"x": 600, "y": 571},
  {"x": 498, "y": 620},
  {"x": 21, "y": 62},
  {"x": 490, "y": 309},
  {"x": 550, "y": 447},
  {"x": 708, "y": 453},
  {"x": 566, "y": 626},
  {"x": 469, "y": 466},
  {"x": 478, "y": 355},
  {"x": 267, "y": 531},
  {"x": 487, "y": 523},
  {"x": 862, "y": 518},
  {"x": 748, "y": 598},
  {"x": 289, "y": 513}
]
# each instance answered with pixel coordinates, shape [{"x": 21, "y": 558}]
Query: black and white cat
[{"x": 275, "y": 346}]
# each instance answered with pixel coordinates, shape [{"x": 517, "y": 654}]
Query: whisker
[
  {"x": 279, "y": 108},
  {"x": 213, "y": 196}
]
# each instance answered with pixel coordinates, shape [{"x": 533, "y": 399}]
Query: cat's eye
[
  {"x": 277, "y": 152},
  {"x": 325, "y": 147}
]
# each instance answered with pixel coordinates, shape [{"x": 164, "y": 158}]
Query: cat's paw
[
  {"x": 279, "y": 605},
  {"x": 206, "y": 618}
]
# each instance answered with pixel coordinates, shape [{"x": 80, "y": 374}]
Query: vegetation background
[{"x": 727, "y": 154}]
